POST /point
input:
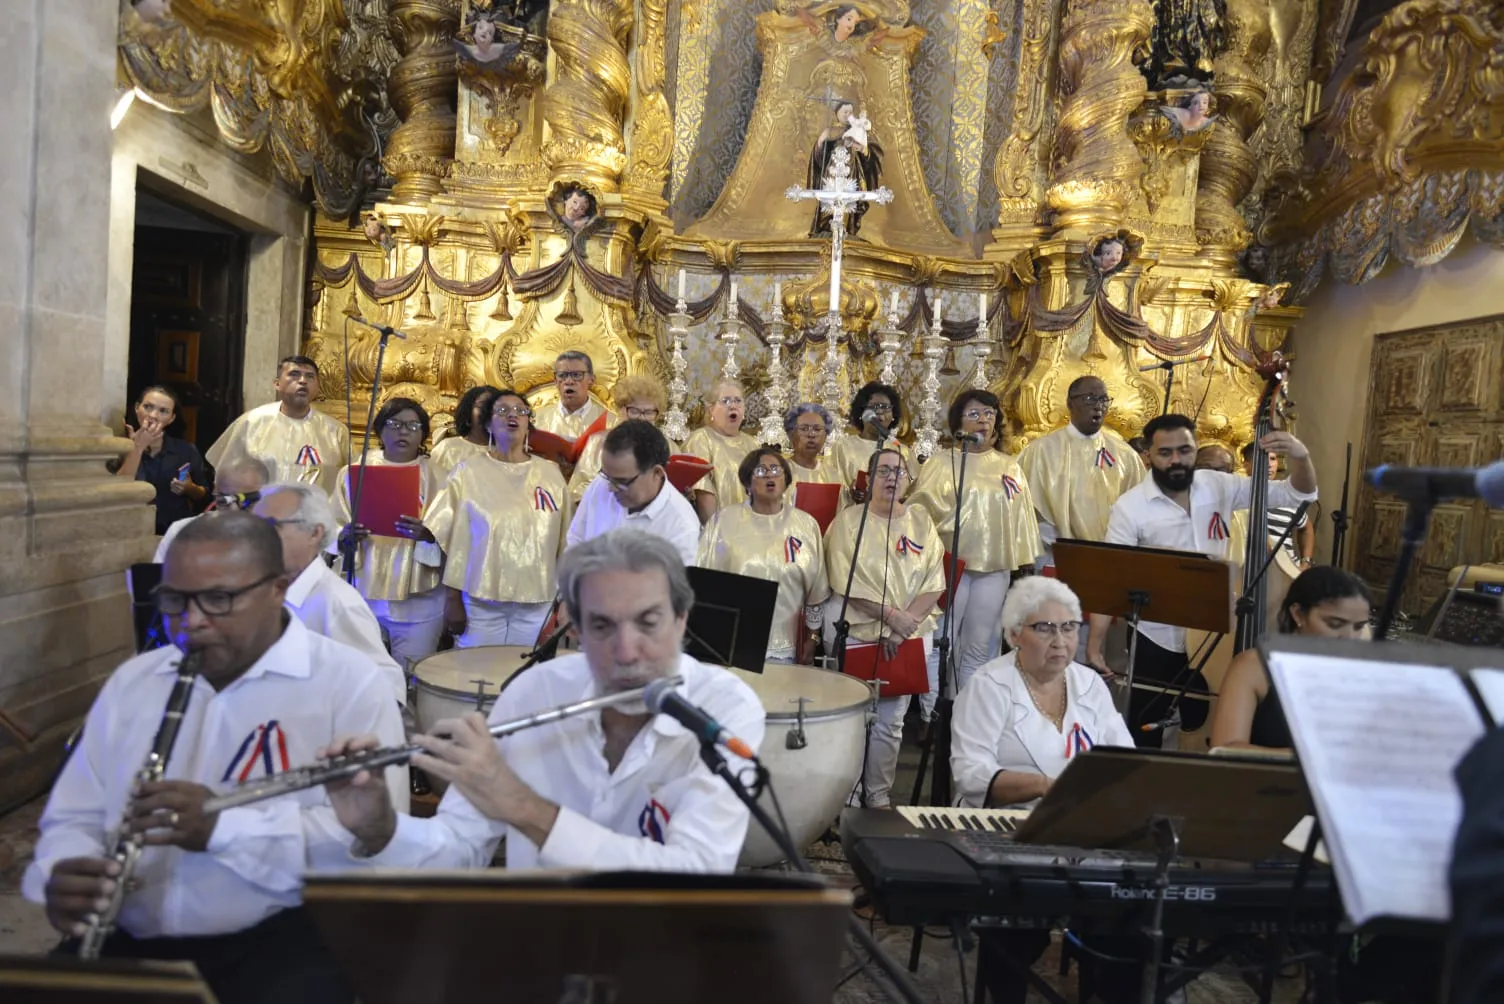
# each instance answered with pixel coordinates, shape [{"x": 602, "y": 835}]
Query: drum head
[
  {"x": 456, "y": 670},
  {"x": 780, "y": 685}
]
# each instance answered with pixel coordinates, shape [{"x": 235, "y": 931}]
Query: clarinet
[{"x": 128, "y": 845}]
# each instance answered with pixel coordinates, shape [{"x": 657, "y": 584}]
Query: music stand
[
  {"x": 63, "y": 980},
  {"x": 731, "y": 619},
  {"x": 140, "y": 579},
  {"x": 629, "y": 938},
  {"x": 1183, "y": 588}
]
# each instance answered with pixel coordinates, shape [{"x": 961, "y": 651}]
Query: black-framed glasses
[
  {"x": 510, "y": 411},
  {"x": 767, "y": 472},
  {"x": 1053, "y": 629},
  {"x": 881, "y": 407},
  {"x": 397, "y": 425},
  {"x": 1092, "y": 400},
  {"x": 571, "y": 376},
  {"x": 621, "y": 484},
  {"x": 642, "y": 414},
  {"x": 212, "y": 602}
]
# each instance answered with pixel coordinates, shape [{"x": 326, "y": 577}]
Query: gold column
[
  {"x": 422, "y": 87},
  {"x": 652, "y": 124},
  {"x": 1099, "y": 166},
  {"x": 1020, "y": 169},
  {"x": 1228, "y": 165},
  {"x": 585, "y": 105}
]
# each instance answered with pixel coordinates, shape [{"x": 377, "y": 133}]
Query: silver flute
[
  {"x": 128, "y": 844},
  {"x": 339, "y": 768}
]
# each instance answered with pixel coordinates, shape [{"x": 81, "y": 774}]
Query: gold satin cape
[
  {"x": 287, "y": 446},
  {"x": 824, "y": 472},
  {"x": 385, "y": 568},
  {"x": 552, "y": 418},
  {"x": 785, "y": 548},
  {"x": 447, "y": 455},
  {"x": 852, "y": 454},
  {"x": 502, "y": 527},
  {"x": 999, "y": 532},
  {"x": 1075, "y": 479},
  {"x": 726, "y": 454},
  {"x": 906, "y": 547}
]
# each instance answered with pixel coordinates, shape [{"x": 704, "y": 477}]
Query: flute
[{"x": 339, "y": 768}]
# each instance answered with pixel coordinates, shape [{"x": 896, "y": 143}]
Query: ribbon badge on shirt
[
  {"x": 1105, "y": 460},
  {"x": 258, "y": 746},
  {"x": 791, "y": 548},
  {"x": 1010, "y": 487},
  {"x": 653, "y": 821},
  {"x": 308, "y": 456},
  {"x": 543, "y": 501},
  {"x": 1217, "y": 528},
  {"x": 1079, "y": 741},
  {"x": 907, "y": 546}
]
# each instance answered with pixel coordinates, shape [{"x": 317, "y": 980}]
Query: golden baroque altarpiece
[{"x": 1092, "y": 186}]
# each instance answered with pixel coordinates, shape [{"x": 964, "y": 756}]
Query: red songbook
[
  {"x": 950, "y": 587},
  {"x": 859, "y": 485},
  {"x": 685, "y": 470},
  {"x": 821, "y": 501},
  {"x": 388, "y": 492},
  {"x": 551, "y": 446},
  {"x": 902, "y": 676}
]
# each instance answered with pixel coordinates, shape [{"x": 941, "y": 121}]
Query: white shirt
[
  {"x": 302, "y": 693},
  {"x": 1144, "y": 516},
  {"x": 169, "y": 535},
  {"x": 669, "y": 516},
  {"x": 998, "y": 727},
  {"x": 329, "y": 605},
  {"x": 662, "y": 809}
]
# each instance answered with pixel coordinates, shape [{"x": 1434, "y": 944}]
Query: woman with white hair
[
  {"x": 809, "y": 426},
  {"x": 722, "y": 442},
  {"x": 1022, "y": 717}
]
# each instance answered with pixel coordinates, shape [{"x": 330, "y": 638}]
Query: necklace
[{"x": 1057, "y": 718}]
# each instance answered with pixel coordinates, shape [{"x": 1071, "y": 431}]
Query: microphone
[
  {"x": 869, "y": 417},
  {"x": 241, "y": 500},
  {"x": 1163, "y": 723},
  {"x": 1161, "y": 365},
  {"x": 385, "y": 330},
  {"x": 662, "y": 699},
  {"x": 1433, "y": 484},
  {"x": 968, "y": 437}
]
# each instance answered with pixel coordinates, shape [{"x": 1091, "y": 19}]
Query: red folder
[
  {"x": 904, "y": 675},
  {"x": 859, "y": 485},
  {"x": 685, "y": 470},
  {"x": 388, "y": 492},
  {"x": 950, "y": 587},
  {"x": 551, "y": 446},
  {"x": 821, "y": 501}
]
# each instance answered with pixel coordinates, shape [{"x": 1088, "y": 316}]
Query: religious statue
[
  {"x": 1188, "y": 36},
  {"x": 1107, "y": 257},
  {"x": 483, "y": 49},
  {"x": 851, "y": 131},
  {"x": 1189, "y": 114},
  {"x": 575, "y": 211},
  {"x": 377, "y": 233}
]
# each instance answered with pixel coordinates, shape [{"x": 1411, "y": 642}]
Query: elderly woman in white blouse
[{"x": 1022, "y": 717}]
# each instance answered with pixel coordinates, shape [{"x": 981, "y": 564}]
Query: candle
[
  {"x": 893, "y": 304},
  {"x": 981, "y": 307},
  {"x": 939, "y": 309},
  {"x": 733, "y": 293},
  {"x": 681, "y": 284},
  {"x": 777, "y": 293}
]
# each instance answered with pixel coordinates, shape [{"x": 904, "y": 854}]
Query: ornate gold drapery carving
[{"x": 587, "y": 101}]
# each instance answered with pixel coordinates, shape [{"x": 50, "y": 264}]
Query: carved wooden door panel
[{"x": 1436, "y": 400}]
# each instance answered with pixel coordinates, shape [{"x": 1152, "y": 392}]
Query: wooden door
[{"x": 1436, "y": 400}]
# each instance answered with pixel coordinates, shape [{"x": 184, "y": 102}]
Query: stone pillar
[{"x": 67, "y": 528}]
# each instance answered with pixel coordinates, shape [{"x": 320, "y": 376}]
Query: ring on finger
[{"x": 172, "y": 819}]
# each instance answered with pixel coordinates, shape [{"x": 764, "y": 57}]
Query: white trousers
[
  {"x": 490, "y": 623},
  {"x": 882, "y": 748},
  {"x": 978, "y": 623},
  {"x": 413, "y": 626}
]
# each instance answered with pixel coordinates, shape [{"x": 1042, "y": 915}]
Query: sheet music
[
  {"x": 1378, "y": 742},
  {"x": 1490, "y": 686}
]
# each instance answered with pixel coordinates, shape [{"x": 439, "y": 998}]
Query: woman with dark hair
[
  {"x": 768, "y": 538},
  {"x": 403, "y": 592},
  {"x": 470, "y": 438},
  {"x": 852, "y": 452},
  {"x": 1323, "y": 602},
  {"x": 172, "y": 466},
  {"x": 999, "y": 531}
]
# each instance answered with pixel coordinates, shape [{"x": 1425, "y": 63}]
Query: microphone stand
[
  {"x": 1340, "y": 518},
  {"x": 1168, "y": 366},
  {"x": 348, "y": 546},
  {"x": 711, "y": 755},
  {"x": 1412, "y": 536},
  {"x": 939, "y": 739}
]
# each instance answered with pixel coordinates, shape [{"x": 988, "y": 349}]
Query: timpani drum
[
  {"x": 812, "y": 747},
  {"x": 461, "y": 680}
]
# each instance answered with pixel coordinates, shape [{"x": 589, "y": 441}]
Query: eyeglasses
[
  {"x": 397, "y": 425},
  {"x": 510, "y": 411},
  {"x": 880, "y": 407},
  {"x": 1052, "y": 629},
  {"x": 571, "y": 376},
  {"x": 1092, "y": 400},
  {"x": 729, "y": 401},
  {"x": 621, "y": 484},
  {"x": 767, "y": 472},
  {"x": 642, "y": 413},
  {"x": 885, "y": 472},
  {"x": 292, "y": 521},
  {"x": 977, "y": 414},
  {"x": 809, "y": 430},
  {"x": 212, "y": 602}
]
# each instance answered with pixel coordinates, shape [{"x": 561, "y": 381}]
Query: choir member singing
[
  {"x": 876, "y": 412},
  {"x": 641, "y": 398},
  {"x": 295, "y": 440},
  {"x": 471, "y": 437},
  {"x": 722, "y": 442},
  {"x": 809, "y": 426}
]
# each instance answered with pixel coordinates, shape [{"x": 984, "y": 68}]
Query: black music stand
[
  {"x": 61, "y": 980},
  {"x": 731, "y": 619},
  {"x": 140, "y": 579},
  {"x": 627, "y": 938},
  {"x": 1183, "y": 588}
]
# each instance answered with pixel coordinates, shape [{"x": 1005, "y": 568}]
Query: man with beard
[
  {"x": 1183, "y": 509},
  {"x": 618, "y": 789}
]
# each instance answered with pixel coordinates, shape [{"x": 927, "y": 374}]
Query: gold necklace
[{"x": 1057, "y": 719}]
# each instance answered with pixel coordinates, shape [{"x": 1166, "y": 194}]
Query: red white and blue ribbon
[
  {"x": 1105, "y": 460},
  {"x": 791, "y": 548},
  {"x": 259, "y": 746},
  {"x": 907, "y": 546},
  {"x": 1077, "y": 741},
  {"x": 1217, "y": 528},
  {"x": 543, "y": 501},
  {"x": 652, "y": 822},
  {"x": 1010, "y": 487},
  {"x": 309, "y": 457}
]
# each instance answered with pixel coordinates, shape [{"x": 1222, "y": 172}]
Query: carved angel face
[
  {"x": 1201, "y": 104},
  {"x": 576, "y": 206},
  {"x": 1108, "y": 255},
  {"x": 374, "y": 230},
  {"x": 485, "y": 32},
  {"x": 847, "y": 23}
]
